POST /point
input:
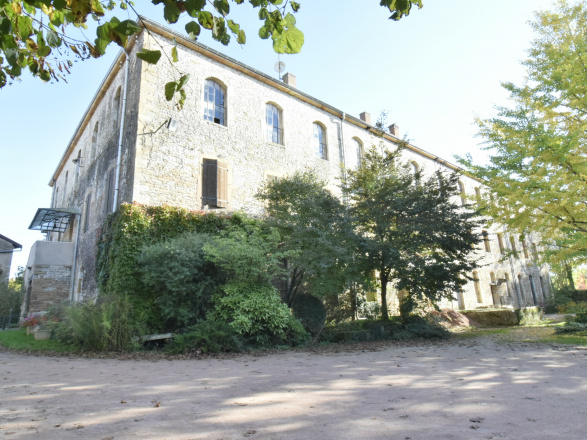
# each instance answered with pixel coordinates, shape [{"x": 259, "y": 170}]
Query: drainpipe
[
  {"x": 342, "y": 156},
  {"x": 120, "y": 133}
]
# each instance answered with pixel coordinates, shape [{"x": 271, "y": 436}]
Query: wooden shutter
[
  {"x": 222, "y": 187},
  {"x": 210, "y": 182}
]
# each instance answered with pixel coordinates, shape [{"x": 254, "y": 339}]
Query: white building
[{"x": 239, "y": 126}]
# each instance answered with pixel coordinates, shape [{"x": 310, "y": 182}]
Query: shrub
[
  {"x": 529, "y": 315},
  {"x": 10, "y": 299},
  {"x": 253, "y": 311},
  {"x": 311, "y": 313},
  {"x": 208, "y": 337},
  {"x": 106, "y": 325},
  {"x": 183, "y": 279}
]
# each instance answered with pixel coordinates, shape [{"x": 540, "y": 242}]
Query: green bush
[
  {"x": 208, "y": 337},
  {"x": 581, "y": 317},
  {"x": 529, "y": 315},
  {"x": 253, "y": 311},
  {"x": 10, "y": 299},
  {"x": 311, "y": 313},
  {"x": 106, "y": 325},
  {"x": 182, "y": 277}
]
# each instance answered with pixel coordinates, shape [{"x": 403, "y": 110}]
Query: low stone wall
[
  {"x": 50, "y": 285},
  {"x": 493, "y": 317}
]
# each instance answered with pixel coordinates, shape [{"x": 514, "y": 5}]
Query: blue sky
[{"x": 433, "y": 72}]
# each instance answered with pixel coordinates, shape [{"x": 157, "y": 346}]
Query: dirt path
[{"x": 470, "y": 389}]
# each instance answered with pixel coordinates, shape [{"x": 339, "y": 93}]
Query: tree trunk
[
  {"x": 384, "y": 313},
  {"x": 569, "y": 272}
]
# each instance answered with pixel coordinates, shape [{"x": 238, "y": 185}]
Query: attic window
[{"x": 214, "y": 183}]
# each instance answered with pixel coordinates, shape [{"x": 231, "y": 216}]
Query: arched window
[
  {"x": 116, "y": 108},
  {"x": 65, "y": 189},
  {"x": 320, "y": 141},
  {"x": 93, "y": 154},
  {"x": 478, "y": 194},
  {"x": 462, "y": 193},
  {"x": 274, "y": 123},
  {"x": 358, "y": 148},
  {"x": 214, "y": 102},
  {"x": 416, "y": 170}
]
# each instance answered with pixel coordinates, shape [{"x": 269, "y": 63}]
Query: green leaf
[
  {"x": 289, "y": 41},
  {"x": 193, "y": 7},
  {"x": 5, "y": 26},
  {"x": 183, "y": 81},
  {"x": 53, "y": 39},
  {"x": 57, "y": 18},
  {"x": 206, "y": 19},
  {"x": 263, "y": 14},
  {"x": 295, "y": 6},
  {"x": 171, "y": 12},
  {"x": 241, "y": 38},
  {"x": 11, "y": 56},
  {"x": 234, "y": 27},
  {"x": 150, "y": 56},
  {"x": 170, "y": 88},
  {"x": 290, "y": 20},
  {"x": 25, "y": 26},
  {"x": 128, "y": 28},
  {"x": 222, "y": 7},
  {"x": 174, "y": 54},
  {"x": 264, "y": 33},
  {"x": 193, "y": 29}
]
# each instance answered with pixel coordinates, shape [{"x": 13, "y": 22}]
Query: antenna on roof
[{"x": 279, "y": 67}]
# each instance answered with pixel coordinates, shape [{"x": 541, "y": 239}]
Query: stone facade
[
  {"x": 7, "y": 247},
  {"x": 160, "y": 165}
]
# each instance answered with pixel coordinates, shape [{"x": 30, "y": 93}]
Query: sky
[{"x": 433, "y": 72}]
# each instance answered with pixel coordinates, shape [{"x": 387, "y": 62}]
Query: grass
[{"x": 19, "y": 340}]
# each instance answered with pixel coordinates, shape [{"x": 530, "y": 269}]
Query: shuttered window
[
  {"x": 110, "y": 191},
  {"x": 215, "y": 183},
  {"x": 87, "y": 216}
]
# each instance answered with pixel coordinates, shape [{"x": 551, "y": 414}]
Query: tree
[
  {"x": 537, "y": 174},
  {"x": 317, "y": 232},
  {"x": 412, "y": 233},
  {"x": 37, "y": 34}
]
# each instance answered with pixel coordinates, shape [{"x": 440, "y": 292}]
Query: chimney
[
  {"x": 365, "y": 117},
  {"x": 394, "y": 130},
  {"x": 289, "y": 79}
]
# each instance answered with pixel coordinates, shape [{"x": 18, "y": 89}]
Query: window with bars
[
  {"x": 214, "y": 102},
  {"x": 274, "y": 123},
  {"x": 215, "y": 183},
  {"x": 320, "y": 141}
]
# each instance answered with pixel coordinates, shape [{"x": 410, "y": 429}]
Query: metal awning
[{"x": 52, "y": 219}]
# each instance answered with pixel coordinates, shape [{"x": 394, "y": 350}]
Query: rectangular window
[
  {"x": 486, "y": 241},
  {"x": 513, "y": 245},
  {"x": 110, "y": 184},
  {"x": 524, "y": 247},
  {"x": 500, "y": 243},
  {"x": 215, "y": 183},
  {"x": 87, "y": 216}
]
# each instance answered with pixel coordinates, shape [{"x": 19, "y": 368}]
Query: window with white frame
[
  {"x": 274, "y": 123},
  {"x": 358, "y": 147},
  {"x": 320, "y": 147},
  {"x": 214, "y": 102}
]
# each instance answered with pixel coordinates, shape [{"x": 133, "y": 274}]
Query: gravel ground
[{"x": 477, "y": 388}]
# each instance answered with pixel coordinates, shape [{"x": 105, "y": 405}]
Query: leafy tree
[
  {"x": 537, "y": 172},
  {"x": 37, "y": 34},
  {"x": 412, "y": 233},
  {"x": 317, "y": 232}
]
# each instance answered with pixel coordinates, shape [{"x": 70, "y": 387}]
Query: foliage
[
  {"x": 107, "y": 325},
  {"x": 375, "y": 330},
  {"x": 537, "y": 171},
  {"x": 38, "y": 34},
  {"x": 19, "y": 340},
  {"x": 206, "y": 337},
  {"x": 253, "y": 311},
  {"x": 34, "y": 320},
  {"x": 183, "y": 279},
  {"x": 316, "y": 229},
  {"x": 529, "y": 315},
  {"x": 311, "y": 313},
  {"x": 10, "y": 299},
  {"x": 412, "y": 232},
  {"x": 127, "y": 232},
  {"x": 17, "y": 282}
]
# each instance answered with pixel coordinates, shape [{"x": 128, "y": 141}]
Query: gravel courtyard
[{"x": 466, "y": 389}]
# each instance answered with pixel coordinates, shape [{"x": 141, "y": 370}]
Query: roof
[
  {"x": 52, "y": 219},
  {"x": 165, "y": 32},
  {"x": 14, "y": 244}
]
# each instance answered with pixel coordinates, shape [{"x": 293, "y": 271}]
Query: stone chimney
[
  {"x": 394, "y": 130},
  {"x": 365, "y": 117},
  {"x": 289, "y": 79}
]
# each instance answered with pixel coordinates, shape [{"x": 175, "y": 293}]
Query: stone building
[
  {"x": 7, "y": 247},
  {"x": 238, "y": 128}
]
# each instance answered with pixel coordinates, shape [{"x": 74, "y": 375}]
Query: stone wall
[
  {"x": 49, "y": 284},
  {"x": 5, "y": 259}
]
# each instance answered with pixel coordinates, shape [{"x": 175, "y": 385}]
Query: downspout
[
  {"x": 120, "y": 134},
  {"x": 342, "y": 156}
]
